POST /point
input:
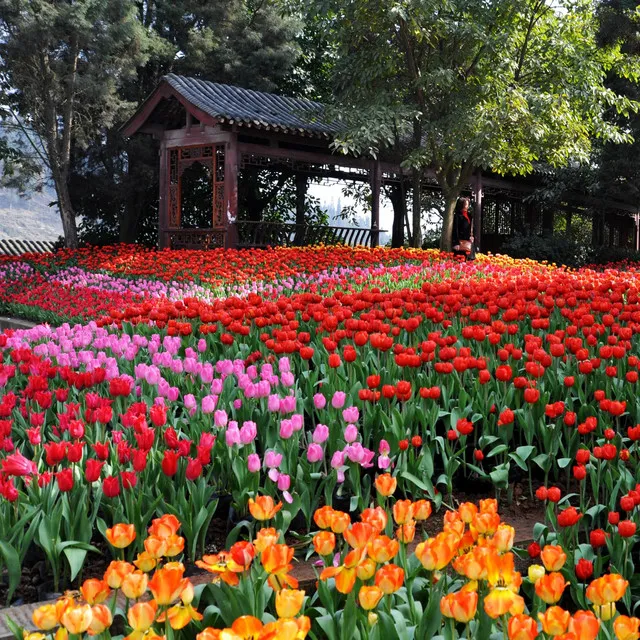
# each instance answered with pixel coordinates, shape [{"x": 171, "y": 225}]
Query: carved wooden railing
[
  {"x": 196, "y": 238},
  {"x": 270, "y": 234}
]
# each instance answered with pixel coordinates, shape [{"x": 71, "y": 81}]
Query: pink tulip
[
  {"x": 314, "y": 453},
  {"x": 338, "y": 400},
  {"x": 320, "y": 433},
  {"x": 319, "y": 401},
  {"x": 190, "y": 401},
  {"x": 286, "y": 429},
  {"x": 248, "y": 432},
  {"x": 17, "y": 465},
  {"x": 202, "y": 345},
  {"x": 209, "y": 404},
  {"x": 273, "y": 404},
  {"x": 220, "y": 418},
  {"x": 351, "y": 414},
  {"x": 272, "y": 459},
  {"x": 284, "y": 482},
  {"x": 253, "y": 462},
  {"x": 351, "y": 433}
]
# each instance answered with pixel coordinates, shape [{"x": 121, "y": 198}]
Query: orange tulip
[
  {"x": 156, "y": 547},
  {"x": 209, "y": 634},
  {"x": 324, "y": 543},
  {"x": 486, "y": 523},
  {"x": 553, "y": 557},
  {"x": 101, "y": 619},
  {"x": 276, "y": 561},
  {"x": 584, "y": 625},
  {"x": 490, "y": 505},
  {"x": 386, "y": 484},
  {"x": 503, "y": 538},
  {"x": 389, "y": 578},
  {"x": 35, "y": 635},
  {"x": 436, "y": 553},
  {"x": 555, "y": 620},
  {"x": 289, "y": 602},
  {"x": 605, "y": 611},
  {"x": 467, "y": 512},
  {"x": 421, "y": 510},
  {"x": 550, "y": 587},
  {"x": 406, "y": 532},
  {"x": 164, "y": 527},
  {"x": 145, "y": 562},
  {"x": 473, "y": 565},
  {"x": 369, "y": 597},
  {"x": 223, "y": 566},
  {"x": 340, "y": 521},
  {"x": 345, "y": 575},
  {"x": 142, "y": 615},
  {"x": 382, "y": 549},
  {"x": 263, "y": 507},
  {"x": 242, "y": 554},
  {"x": 608, "y": 588},
  {"x": 46, "y": 617},
  {"x": 501, "y": 601},
  {"x": 76, "y": 619},
  {"x": 116, "y": 572},
  {"x": 403, "y": 511},
  {"x": 265, "y": 538},
  {"x": 359, "y": 534},
  {"x": 167, "y": 584},
  {"x": 286, "y": 629},
  {"x": 179, "y": 616},
  {"x": 175, "y": 546},
  {"x": 376, "y": 517},
  {"x": 121, "y": 535},
  {"x": 366, "y": 569},
  {"x": 135, "y": 584},
  {"x": 95, "y": 591},
  {"x": 247, "y": 627},
  {"x": 322, "y": 517},
  {"x": 626, "y": 628},
  {"x": 461, "y": 606},
  {"x": 521, "y": 627},
  {"x": 501, "y": 570}
]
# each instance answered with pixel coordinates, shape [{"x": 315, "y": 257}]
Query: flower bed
[{"x": 510, "y": 379}]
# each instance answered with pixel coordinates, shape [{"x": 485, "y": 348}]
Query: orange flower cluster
[
  {"x": 171, "y": 593},
  {"x": 250, "y": 628}
]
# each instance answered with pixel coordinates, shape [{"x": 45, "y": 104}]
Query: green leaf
[
  {"x": 11, "y": 561},
  {"x": 425, "y": 485},
  {"x": 76, "y": 558}
]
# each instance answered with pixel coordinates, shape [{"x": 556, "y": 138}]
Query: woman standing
[{"x": 462, "y": 235}]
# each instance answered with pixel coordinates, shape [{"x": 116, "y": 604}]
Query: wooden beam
[{"x": 163, "y": 91}]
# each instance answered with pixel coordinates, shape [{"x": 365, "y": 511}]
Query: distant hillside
[{"x": 29, "y": 218}]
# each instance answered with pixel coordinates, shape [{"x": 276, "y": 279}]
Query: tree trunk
[
  {"x": 133, "y": 204},
  {"x": 450, "y": 199},
  {"x": 399, "y": 203},
  {"x": 67, "y": 214},
  {"x": 301, "y": 195},
  {"x": 416, "y": 239}
]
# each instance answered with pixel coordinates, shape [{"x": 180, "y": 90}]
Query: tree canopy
[{"x": 465, "y": 84}]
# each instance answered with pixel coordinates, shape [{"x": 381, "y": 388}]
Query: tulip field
[{"x": 371, "y": 412}]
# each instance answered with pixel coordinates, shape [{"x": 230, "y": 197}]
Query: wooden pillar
[
  {"x": 636, "y": 218},
  {"x": 231, "y": 191},
  {"x": 477, "y": 213},
  {"x": 163, "y": 198},
  {"x": 375, "y": 177},
  {"x": 547, "y": 220}
]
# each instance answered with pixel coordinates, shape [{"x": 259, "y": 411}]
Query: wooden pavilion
[{"x": 221, "y": 130}]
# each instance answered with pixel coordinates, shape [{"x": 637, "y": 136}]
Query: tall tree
[
  {"x": 62, "y": 63},
  {"x": 251, "y": 43},
  {"x": 474, "y": 83}
]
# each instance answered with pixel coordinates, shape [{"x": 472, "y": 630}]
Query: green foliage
[
  {"x": 63, "y": 63},
  {"x": 562, "y": 250},
  {"x": 471, "y": 83}
]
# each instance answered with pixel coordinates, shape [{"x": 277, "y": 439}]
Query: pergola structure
[{"x": 222, "y": 129}]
